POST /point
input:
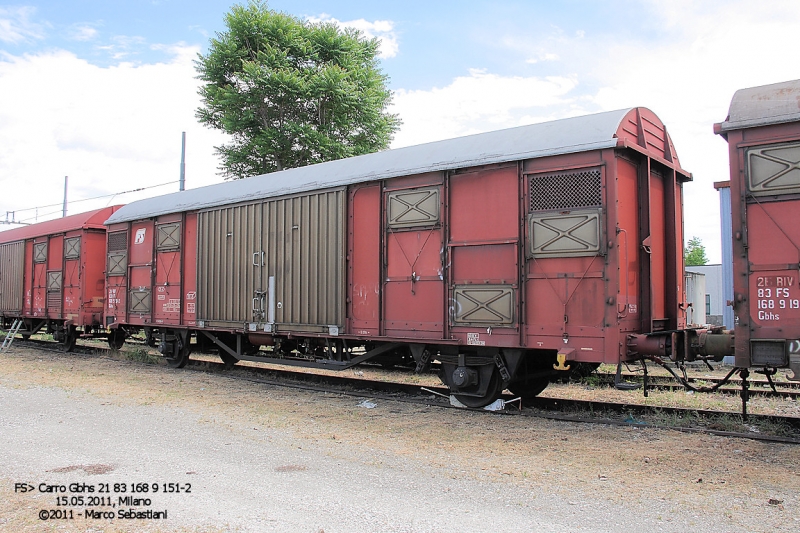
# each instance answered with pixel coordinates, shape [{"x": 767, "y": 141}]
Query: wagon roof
[
  {"x": 570, "y": 135},
  {"x": 762, "y": 106},
  {"x": 88, "y": 220}
]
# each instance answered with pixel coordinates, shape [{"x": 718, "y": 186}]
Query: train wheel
[
  {"x": 70, "y": 338},
  {"x": 228, "y": 359},
  {"x": 180, "y": 355},
  {"x": 530, "y": 388},
  {"x": 116, "y": 339},
  {"x": 149, "y": 338},
  {"x": 492, "y": 393}
]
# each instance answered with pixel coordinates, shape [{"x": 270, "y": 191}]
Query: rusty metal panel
[
  {"x": 365, "y": 260},
  {"x": 491, "y": 305},
  {"x": 169, "y": 236},
  {"x": 40, "y": 252},
  {"x": 484, "y": 206},
  {"x": 565, "y": 234},
  {"x": 12, "y": 265},
  {"x": 72, "y": 248},
  {"x": 411, "y": 208},
  {"x": 773, "y": 169}
]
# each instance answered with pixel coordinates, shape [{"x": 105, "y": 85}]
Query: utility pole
[
  {"x": 64, "y": 211},
  {"x": 183, "y": 162}
]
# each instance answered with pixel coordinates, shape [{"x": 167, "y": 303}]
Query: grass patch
[{"x": 142, "y": 355}]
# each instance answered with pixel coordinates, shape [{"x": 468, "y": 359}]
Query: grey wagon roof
[
  {"x": 763, "y": 106},
  {"x": 570, "y": 135}
]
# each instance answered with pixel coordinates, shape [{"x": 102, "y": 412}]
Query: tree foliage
[
  {"x": 695, "y": 253},
  {"x": 291, "y": 93}
]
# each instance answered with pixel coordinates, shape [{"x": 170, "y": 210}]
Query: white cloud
[
  {"x": 687, "y": 75},
  {"x": 123, "y": 46},
  {"x": 82, "y": 32},
  {"x": 688, "y": 79},
  {"x": 383, "y": 30},
  {"x": 16, "y": 25},
  {"x": 109, "y": 129},
  {"x": 479, "y": 102}
]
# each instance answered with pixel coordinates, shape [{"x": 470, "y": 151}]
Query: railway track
[
  {"x": 758, "y": 387},
  {"x": 563, "y": 409}
]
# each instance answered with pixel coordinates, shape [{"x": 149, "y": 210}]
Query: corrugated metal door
[
  {"x": 304, "y": 240},
  {"x": 12, "y": 264},
  {"x": 484, "y": 255},
  {"x": 297, "y": 241},
  {"x": 229, "y": 262}
]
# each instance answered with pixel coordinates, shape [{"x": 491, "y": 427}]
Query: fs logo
[{"x": 139, "y": 239}]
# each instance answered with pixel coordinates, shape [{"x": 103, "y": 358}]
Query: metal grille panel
[
  {"x": 117, "y": 241},
  {"x": 54, "y": 300},
  {"x": 774, "y": 169},
  {"x": 40, "y": 252},
  {"x": 117, "y": 263},
  {"x": 54, "y": 281},
  {"x": 483, "y": 305},
  {"x": 570, "y": 234},
  {"x": 169, "y": 236},
  {"x": 417, "y": 207},
  {"x": 566, "y": 190},
  {"x": 72, "y": 248},
  {"x": 139, "y": 301}
]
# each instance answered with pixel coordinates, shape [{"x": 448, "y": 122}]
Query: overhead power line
[{"x": 59, "y": 205}]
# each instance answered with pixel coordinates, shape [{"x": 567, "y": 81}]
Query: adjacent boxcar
[
  {"x": 763, "y": 134},
  {"x": 52, "y": 275},
  {"x": 507, "y": 256}
]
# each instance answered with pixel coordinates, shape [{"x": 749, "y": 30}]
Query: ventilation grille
[
  {"x": 566, "y": 190},
  {"x": 40, "y": 252},
  {"x": 117, "y": 241},
  {"x": 72, "y": 248}
]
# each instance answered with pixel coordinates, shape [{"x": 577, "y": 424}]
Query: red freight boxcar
[
  {"x": 507, "y": 256},
  {"x": 763, "y": 134},
  {"x": 52, "y": 276}
]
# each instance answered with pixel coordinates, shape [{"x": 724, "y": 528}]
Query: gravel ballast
[{"x": 264, "y": 458}]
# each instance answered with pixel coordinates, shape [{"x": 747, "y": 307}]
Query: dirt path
[{"x": 262, "y": 458}]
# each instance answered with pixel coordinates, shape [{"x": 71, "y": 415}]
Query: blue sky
[{"x": 101, "y": 90}]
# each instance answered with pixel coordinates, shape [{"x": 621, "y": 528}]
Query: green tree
[
  {"x": 291, "y": 93},
  {"x": 695, "y": 253}
]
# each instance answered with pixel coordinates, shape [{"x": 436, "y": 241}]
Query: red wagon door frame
[
  {"x": 483, "y": 256},
  {"x": 413, "y": 272}
]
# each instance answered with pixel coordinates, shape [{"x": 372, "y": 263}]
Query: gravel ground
[{"x": 264, "y": 458}]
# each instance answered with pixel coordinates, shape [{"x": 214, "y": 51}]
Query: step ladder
[{"x": 11, "y": 334}]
